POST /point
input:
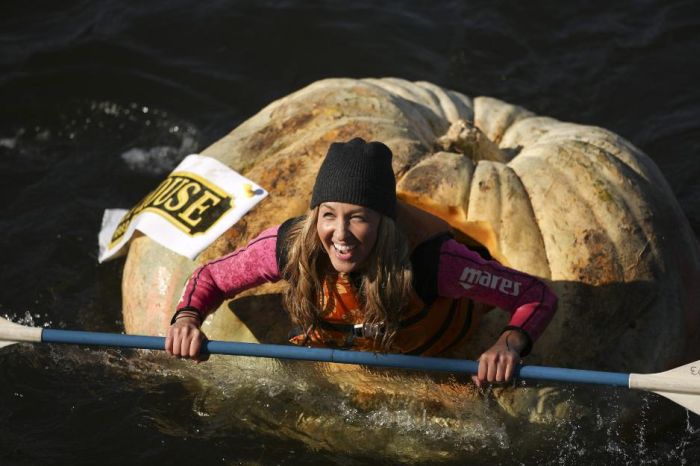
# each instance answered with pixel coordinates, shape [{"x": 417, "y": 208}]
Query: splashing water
[{"x": 298, "y": 406}]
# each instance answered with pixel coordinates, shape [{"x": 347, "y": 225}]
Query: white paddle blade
[
  {"x": 681, "y": 385},
  {"x": 11, "y": 333},
  {"x": 689, "y": 401}
]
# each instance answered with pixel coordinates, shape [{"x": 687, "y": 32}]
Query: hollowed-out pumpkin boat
[{"x": 576, "y": 205}]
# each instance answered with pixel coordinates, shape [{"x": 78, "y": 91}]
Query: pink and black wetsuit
[{"x": 442, "y": 268}]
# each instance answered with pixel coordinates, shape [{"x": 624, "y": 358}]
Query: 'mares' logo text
[{"x": 471, "y": 277}]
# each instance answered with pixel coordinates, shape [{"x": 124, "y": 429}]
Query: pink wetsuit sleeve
[
  {"x": 229, "y": 275},
  {"x": 464, "y": 273}
]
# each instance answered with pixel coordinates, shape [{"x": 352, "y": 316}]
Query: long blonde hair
[{"x": 386, "y": 278}]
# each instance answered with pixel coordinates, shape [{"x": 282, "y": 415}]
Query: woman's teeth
[{"x": 343, "y": 248}]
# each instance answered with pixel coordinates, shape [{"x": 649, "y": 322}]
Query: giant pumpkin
[{"x": 576, "y": 205}]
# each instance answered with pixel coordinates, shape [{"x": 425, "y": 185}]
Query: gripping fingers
[
  {"x": 189, "y": 338},
  {"x": 482, "y": 371},
  {"x": 509, "y": 369},
  {"x": 494, "y": 368},
  {"x": 179, "y": 341},
  {"x": 169, "y": 342},
  {"x": 501, "y": 370},
  {"x": 491, "y": 372},
  {"x": 487, "y": 369},
  {"x": 195, "y": 345}
]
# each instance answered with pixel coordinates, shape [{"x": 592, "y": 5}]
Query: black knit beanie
[{"x": 357, "y": 172}]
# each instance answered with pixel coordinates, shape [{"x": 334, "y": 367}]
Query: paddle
[{"x": 681, "y": 385}]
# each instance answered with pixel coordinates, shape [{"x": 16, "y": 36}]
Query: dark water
[{"x": 98, "y": 100}]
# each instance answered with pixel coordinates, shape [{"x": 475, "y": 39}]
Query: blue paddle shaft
[{"x": 336, "y": 356}]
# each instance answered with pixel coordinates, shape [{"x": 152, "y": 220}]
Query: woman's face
[{"x": 348, "y": 233}]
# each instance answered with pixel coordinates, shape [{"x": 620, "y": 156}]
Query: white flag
[{"x": 195, "y": 204}]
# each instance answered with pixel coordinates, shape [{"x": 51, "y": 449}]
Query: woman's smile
[{"x": 343, "y": 249}]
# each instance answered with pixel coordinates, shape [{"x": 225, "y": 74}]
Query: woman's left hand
[{"x": 498, "y": 362}]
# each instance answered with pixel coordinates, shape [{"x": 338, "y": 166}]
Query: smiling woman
[{"x": 357, "y": 281}]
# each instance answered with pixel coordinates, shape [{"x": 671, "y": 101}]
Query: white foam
[
  {"x": 154, "y": 161},
  {"x": 8, "y": 143},
  {"x": 158, "y": 160}
]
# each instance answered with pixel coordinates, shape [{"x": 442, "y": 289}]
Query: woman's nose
[{"x": 341, "y": 230}]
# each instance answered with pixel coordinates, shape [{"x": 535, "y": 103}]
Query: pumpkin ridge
[
  {"x": 531, "y": 214},
  {"x": 616, "y": 167},
  {"x": 592, "y": 235}
]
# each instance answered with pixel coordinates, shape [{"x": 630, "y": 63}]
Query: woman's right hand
[{"x": 185, "y": 339}]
